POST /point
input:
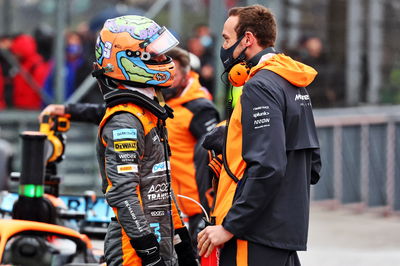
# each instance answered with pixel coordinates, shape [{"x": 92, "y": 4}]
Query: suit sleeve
[
  {"x": 86, "y": 112},
  {"x": 264, "y": 151},
  {"x": 124, "y": 178}
]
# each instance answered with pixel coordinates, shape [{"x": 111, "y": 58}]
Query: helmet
[{"x": 126, "y": 47}]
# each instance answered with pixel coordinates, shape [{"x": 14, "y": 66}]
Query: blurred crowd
[{"x": 27, "y": 66}]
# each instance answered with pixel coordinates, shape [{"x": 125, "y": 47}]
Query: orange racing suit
[{"x": 134, "y": 167}]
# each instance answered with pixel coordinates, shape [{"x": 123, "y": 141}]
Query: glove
[
  {"x": 215, "y": 165},
  {"x": 214, "y": 140},
  {"x": 148, "y": 249},
  {"x": 184, "y": 248}
]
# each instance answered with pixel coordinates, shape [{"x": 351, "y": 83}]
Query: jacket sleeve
[
  {"x": 315, "y": 166},
  {"x": 124, "y": 178},
  {"x": 86, "y": 112},
  {"x": 264, "y": 151},
  {"x": 205, "y": 117}
]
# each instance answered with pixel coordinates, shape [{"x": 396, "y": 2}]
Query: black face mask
[
  {"x": 170, "y": 93},
  {"x": 227, "y": 55}
]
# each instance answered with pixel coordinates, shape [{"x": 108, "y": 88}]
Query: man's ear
[{"x": 249, "y": 38}]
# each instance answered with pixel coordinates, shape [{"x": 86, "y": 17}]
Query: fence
[{"x": 360, "y": 148}]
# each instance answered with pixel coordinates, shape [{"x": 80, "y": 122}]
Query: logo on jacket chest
[
  {"x": 302, "y": 99},
  {"x": 261, "y": 117}
]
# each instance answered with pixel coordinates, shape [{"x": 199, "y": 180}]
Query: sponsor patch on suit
[
  {"x": 126, "y": 145},
  {"x": 125, "y": 133},
  {"x": 160, "y": 167},
  {"x": 127, "y": 168},
  {"x": 126, "y": 157}
]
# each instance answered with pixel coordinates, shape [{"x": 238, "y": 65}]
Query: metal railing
[{"x": 360, "y": 148}]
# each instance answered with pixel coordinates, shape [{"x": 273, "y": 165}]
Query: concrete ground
[{"x": 344, "y": 238}]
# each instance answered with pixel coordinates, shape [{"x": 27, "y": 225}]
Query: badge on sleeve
[
  {"x": 125, "y": 145},
  {"x": 125, "y": 133}
]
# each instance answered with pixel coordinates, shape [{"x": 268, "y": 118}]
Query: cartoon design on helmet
[{"x": 126, "y": 47}]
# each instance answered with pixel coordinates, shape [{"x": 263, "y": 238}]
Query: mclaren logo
[
  {"x": 301, "y": 97},
  {"x": 127, "y": 145}
]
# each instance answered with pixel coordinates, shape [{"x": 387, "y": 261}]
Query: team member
[
  {"x": 194, "y": 116},
  {"x": 271, "y": 150},
  {"x": 132, "y": 147}
]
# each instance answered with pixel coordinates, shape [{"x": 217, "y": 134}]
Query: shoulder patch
[{"x": 125, "y": 133}]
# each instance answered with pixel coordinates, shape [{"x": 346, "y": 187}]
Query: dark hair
[
  {"x": 257, "y": 19},
  {"x": 182, "y": 56}
]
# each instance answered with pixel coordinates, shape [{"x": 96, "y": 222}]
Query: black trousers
[{"x": 257, "y": 255}]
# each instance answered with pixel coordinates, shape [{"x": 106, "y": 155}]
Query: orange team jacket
[{"x": 194, "y": 115}]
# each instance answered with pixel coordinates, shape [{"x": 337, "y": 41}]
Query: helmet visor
[{"x": 164, "y": 42}]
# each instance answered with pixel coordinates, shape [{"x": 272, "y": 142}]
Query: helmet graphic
[{"x": 125, "y": 51}]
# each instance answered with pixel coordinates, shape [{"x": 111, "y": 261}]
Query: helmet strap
[{"x": 161, "y": 102}]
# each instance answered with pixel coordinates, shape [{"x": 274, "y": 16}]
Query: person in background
[
  {"x": 201, "y": 45},
  {"x": 44, "y": 37},
  {"x": 311, "y": 52},
  {"x": 76, "y": 67},
  {"x": 194, "y": 116},
  {"x": 32, "y": 73},
  {"x": 270, "y": 153},
  {"x": 6, "y": 70}
]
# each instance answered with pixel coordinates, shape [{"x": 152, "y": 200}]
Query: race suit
[
  {"x": 133, "y": 164},
  {"x": 194, "y": 116},
  {"x": 272, "y": 150}
]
